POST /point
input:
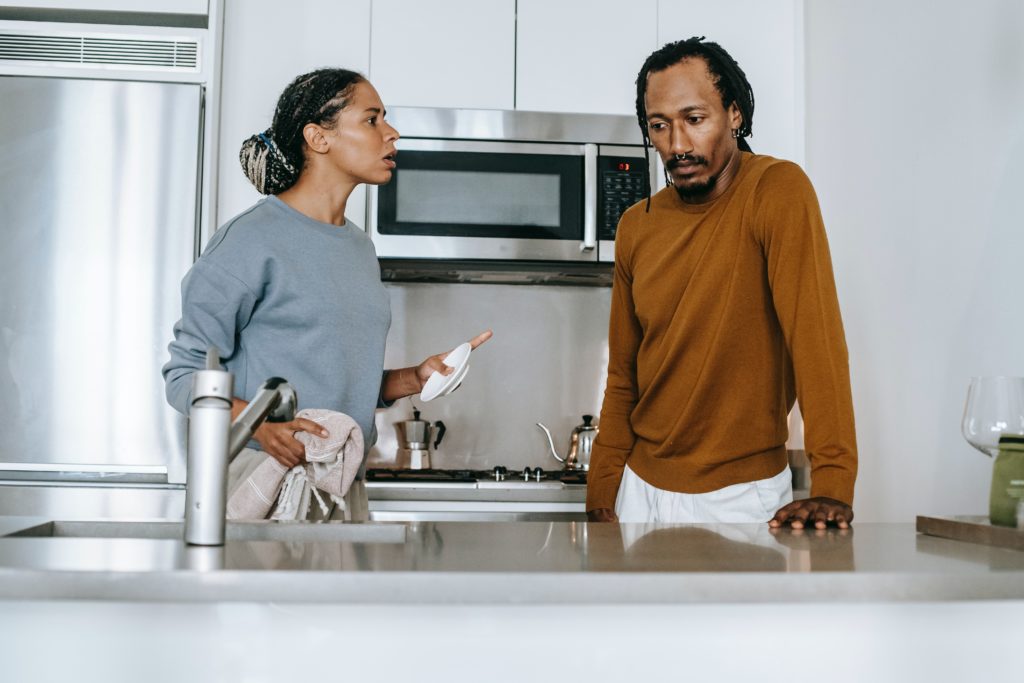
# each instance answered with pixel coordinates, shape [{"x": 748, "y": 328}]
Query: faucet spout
[
  {"x": 214, "y": 440},
  {"x": 274, "y": 402}
]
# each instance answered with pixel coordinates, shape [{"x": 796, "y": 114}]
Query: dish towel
[{"x": 331, "y": 465}]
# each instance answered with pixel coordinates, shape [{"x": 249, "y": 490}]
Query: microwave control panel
[{"x": 622, "y": 186}]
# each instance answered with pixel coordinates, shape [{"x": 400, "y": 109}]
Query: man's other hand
[
  {"x": 602, "y": 515},
  {"x": 820, "y": 512}
]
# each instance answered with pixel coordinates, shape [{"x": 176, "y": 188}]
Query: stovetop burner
[
  {"x": 420, "y": 475},
  {"x": 497, "y": 474}
]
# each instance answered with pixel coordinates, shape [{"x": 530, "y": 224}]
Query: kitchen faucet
[{"x": 214, "y": 441}]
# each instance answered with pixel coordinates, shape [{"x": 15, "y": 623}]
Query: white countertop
[{"x": 487, "y": 563}]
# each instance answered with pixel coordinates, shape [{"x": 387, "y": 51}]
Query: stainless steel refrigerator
[{"x": 100, "y": 184}]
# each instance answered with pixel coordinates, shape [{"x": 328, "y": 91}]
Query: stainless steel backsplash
[{"x": 546, "y": 363}]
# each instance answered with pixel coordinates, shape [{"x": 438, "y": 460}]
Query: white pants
[{"x": 755, "y": 501}]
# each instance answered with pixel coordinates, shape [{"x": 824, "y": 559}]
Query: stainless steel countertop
[{"x": 492, "y": 562}]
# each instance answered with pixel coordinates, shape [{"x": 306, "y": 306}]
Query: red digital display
[{"x": 623, "y": 166}]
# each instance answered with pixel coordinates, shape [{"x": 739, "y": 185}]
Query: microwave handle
[{"x": 589, "y": 242}]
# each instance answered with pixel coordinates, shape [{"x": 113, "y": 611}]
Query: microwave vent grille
[
  {"x": 164, "y": 54},
  {"x": 456, "y": 271}
]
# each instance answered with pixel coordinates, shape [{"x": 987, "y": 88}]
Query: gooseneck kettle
[{"x": 581, "y": 443}]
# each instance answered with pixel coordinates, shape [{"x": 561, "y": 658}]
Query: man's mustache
[{"x": 677, "y": 160}]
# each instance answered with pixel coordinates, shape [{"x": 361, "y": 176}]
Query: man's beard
[
  {"x": 691, "y": 190},
  {"x": 698, "y": 190}
]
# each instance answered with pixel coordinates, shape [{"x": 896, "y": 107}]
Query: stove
[
  {"x": 497, "y": 477},
  {"x": 502, "y": 494}
]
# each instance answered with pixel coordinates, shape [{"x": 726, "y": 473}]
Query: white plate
[{"x": 441, "y": 385}]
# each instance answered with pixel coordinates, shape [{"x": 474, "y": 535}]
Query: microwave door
[{"x": 458, "y": 199}]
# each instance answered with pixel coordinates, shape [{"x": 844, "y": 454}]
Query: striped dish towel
[{"x": 272, "y": 491}]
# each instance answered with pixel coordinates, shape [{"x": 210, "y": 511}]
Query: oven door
[{"x": 461, "y": 199}]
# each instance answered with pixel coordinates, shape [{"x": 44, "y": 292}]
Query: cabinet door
[
  {"x": 765, "y": 37},
  {"x": 444, "y": 53},
  {"x": 266, "y": 45},
  {"x": 582, "y": 56}
]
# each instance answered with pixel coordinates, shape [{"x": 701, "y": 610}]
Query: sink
[{"x": 301, "y": 532}]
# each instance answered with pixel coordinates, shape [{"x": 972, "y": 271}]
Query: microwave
[{"x": 494, "y": 185}]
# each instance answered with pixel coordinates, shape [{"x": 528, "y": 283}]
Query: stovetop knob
[
  {"x": 500, "y": 473},
  {"x": 538, "y": 473},
  {"x": 526, "y": 474}
]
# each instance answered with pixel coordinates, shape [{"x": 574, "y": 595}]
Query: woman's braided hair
[
  {"x": 274, "y": 159},
  {"x": 729, "y": 79}
]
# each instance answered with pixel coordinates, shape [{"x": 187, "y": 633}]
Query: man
[{"x": 724, "y": 312}]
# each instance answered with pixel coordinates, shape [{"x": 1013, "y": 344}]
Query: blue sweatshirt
[{"x": 280, "y": 294}]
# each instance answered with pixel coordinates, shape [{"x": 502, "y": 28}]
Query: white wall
[
  {"x": 547, "y": 362},
  {"x": 915, "y": 143}
]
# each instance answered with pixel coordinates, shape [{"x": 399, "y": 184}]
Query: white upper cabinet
[
  {"x": 766, "y": 38},
  {"x": 582, "y": 55},
  {"x": 444, "y": 53},
  {"x": 266, "y": 45}
]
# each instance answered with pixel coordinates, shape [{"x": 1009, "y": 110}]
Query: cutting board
[{"x": 972, "y": 529}]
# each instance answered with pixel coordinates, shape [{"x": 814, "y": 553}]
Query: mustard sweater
[{"x": 722, "y": 315}]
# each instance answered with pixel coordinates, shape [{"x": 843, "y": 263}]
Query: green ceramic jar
[{"x": 1007, "y": 481}]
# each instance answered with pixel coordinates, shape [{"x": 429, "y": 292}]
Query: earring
[{"x": 735, "y": 133}]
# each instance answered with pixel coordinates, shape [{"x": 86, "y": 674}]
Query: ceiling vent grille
[{"x": 154, "y": 53}]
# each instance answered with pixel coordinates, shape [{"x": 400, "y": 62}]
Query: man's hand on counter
[
  {"x": 602, "y": 515},
  {"x": 819, "y": 512}
]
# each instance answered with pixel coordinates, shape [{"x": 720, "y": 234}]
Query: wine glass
[{"x": 995, "y": 406}]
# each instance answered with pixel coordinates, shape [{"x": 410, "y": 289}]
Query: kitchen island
[{"x": 552, "y": 590}]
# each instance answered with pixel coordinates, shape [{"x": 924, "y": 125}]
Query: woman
[{"x": 289, "y": 288}]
